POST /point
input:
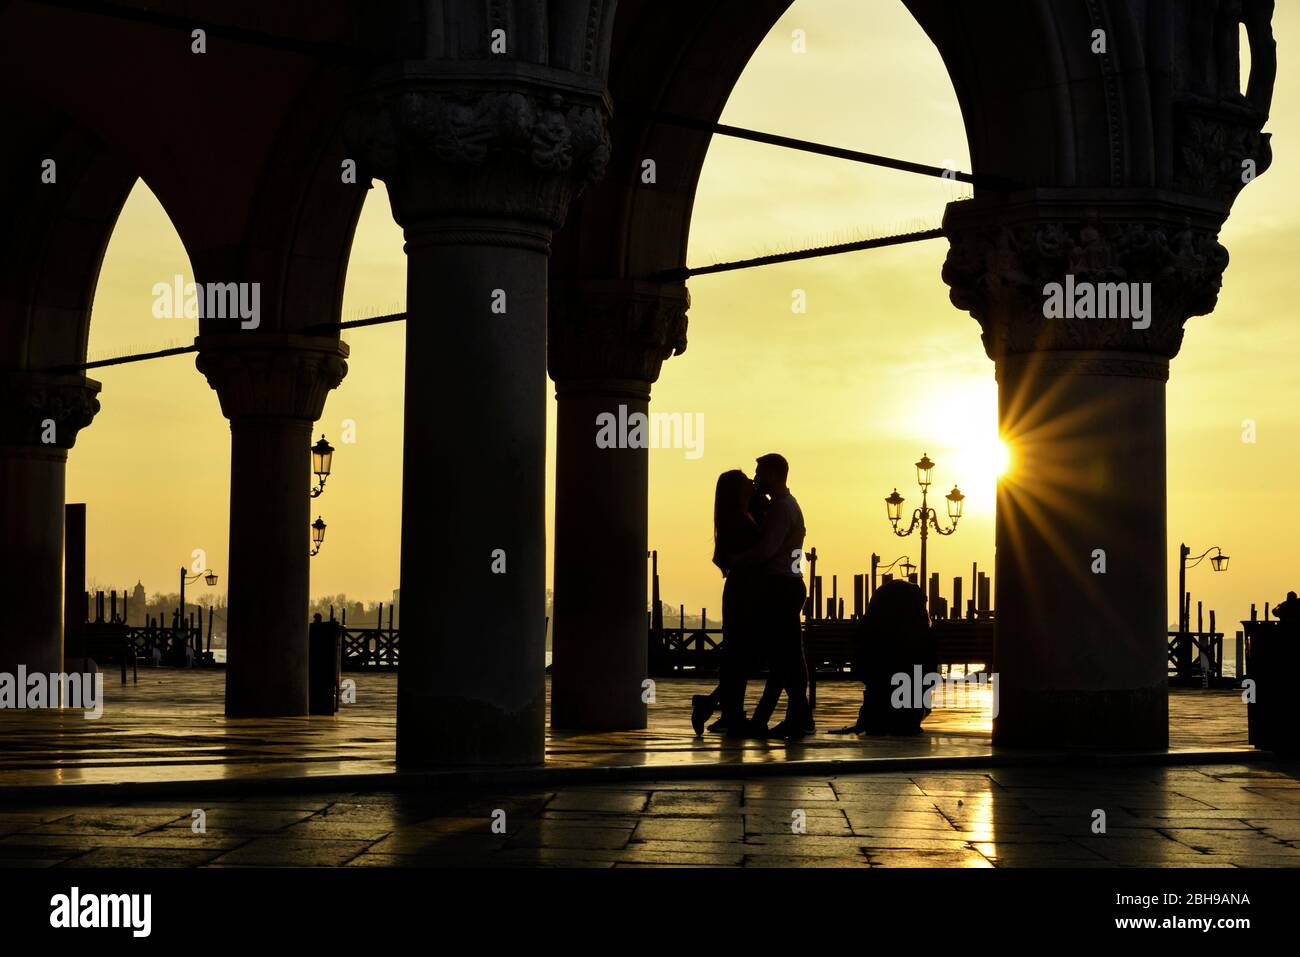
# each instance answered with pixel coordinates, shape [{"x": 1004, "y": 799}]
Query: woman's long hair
[{"x": 728, "y": 514}]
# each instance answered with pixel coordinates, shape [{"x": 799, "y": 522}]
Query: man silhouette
[{"x": 779, "y": 555}]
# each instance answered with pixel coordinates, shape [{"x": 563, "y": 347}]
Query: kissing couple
[{"x": 758, "y": 535}]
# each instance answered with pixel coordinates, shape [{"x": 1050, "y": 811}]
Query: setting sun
[{"x": 960, "y": 425}]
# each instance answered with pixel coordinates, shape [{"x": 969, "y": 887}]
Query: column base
[
  {"x": 1136, "y": 719},
  {"x": 437, "y": 732},
  {"x": 596, "y": 713}
]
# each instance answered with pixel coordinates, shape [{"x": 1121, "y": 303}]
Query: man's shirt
[{"x": 780, "y": 539}]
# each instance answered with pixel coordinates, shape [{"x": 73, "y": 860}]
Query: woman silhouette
[{"x": 734, "y": 530}]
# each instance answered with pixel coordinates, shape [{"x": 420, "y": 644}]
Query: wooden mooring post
[
  {"x": 656, "y": 603},
  {"x": 977, "y": 604}
]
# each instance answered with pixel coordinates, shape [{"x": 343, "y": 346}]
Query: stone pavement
[
  {"x": 688, "y": 801},
  {"x": 1245, "y": 815},
  {"x": 170, "y": 728}
]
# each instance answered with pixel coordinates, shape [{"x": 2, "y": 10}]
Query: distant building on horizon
[{"x": 136, "y": 610}]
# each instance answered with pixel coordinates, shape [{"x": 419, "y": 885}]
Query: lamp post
[
  {"x": 1219, "y": 562},
  {"x": 208, "y": 576},
  {"x": 925, "y": 517},
  {"x": 907, "y": 568},
  {"x": 317, "y": 535},
  {"x": 322, "y": 456}
]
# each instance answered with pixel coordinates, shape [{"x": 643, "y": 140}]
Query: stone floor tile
[
  {"x": 690, "y": 829},
  {"x": 568, "y": 836},
  {"x": 614, "y": 802},
  {"x": 775, "y": 861},
  {"x": 149, "y": 857},
  {"x": 292, "y": 852},
  {"x": 927, "y": 858}
]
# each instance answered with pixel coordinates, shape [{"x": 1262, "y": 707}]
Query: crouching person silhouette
[{"x": 894, "y": 639}]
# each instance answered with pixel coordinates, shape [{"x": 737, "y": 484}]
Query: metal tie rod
[
  {"x": 983, "y": 180},
  {"x": 682, "y": 273},
  {"x": 678, "y": 274},
  {"x": 324, "y": 327}
]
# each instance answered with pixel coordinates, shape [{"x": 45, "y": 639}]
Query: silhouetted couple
[{"x": 758, "y": 534}]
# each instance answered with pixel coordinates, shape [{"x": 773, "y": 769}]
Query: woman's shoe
[
  {"x": 701, "y": 711},
  {"x": 719, "y": 726}
]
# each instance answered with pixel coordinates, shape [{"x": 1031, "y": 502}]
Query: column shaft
[
  {"x": 32, "y": 480},
  {"x": 270, "y": 466},
  {"x": 1081, "y": 654},
  {"x": 471, "y": 689},
  {"x": 608, "y": 340},
  {"x": 599, "y": 634},
  {"x": 272, "y": 388}
]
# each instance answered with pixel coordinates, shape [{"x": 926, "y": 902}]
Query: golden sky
[{"x": 880, "y": 367}]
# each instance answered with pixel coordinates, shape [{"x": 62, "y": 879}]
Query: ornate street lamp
[
  {"x": 210, "y": 578},
  {"x": 322, "y": 455},
  {"x": 1219, "y": 562},
  {"x": 894, "y": 505},
  {"x": 925, "y": 517},
  {"x": 924, "y": 471},
  {"x": 317, "y": 535},
  {"x": 955, "y": 499},
  {"x": 907, "y": 568}
]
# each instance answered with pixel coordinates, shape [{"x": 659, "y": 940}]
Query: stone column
[
  {"x": 1080, "y": 570},
  {"x": 40, "y": 416},
  {"x": 479, "y": 179},
  {"x": 608, "y": 339},
  {"x": 272, "y": 389}
]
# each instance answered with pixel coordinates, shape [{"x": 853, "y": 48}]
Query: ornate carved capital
[
  {"x": 43, "y": 410},
  {"x": 518, "y": 150},
  {"x": 273, "y": 375},
  {"x": 1220, "y": 147},
  {"x": 615, "y": 329},
  {"x": 1012, "y": 266}
]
